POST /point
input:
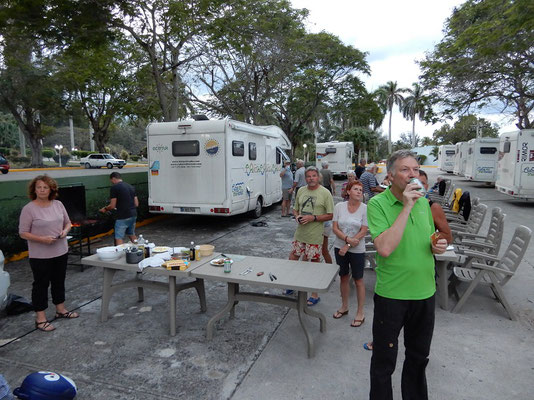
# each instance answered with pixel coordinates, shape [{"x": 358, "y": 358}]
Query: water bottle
[
  {"x": 197, "y": 253},
  {"x": 141, "y": 244},
  {"x": 227, "y": 266}
]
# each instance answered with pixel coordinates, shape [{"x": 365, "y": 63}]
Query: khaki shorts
[
  {"x": 312, "y": 252},
  {"x": 286, "y": 196}
]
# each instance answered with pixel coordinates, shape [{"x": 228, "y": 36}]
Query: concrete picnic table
[
  {"x": 300, "y": 276},
  {"x": 442, "y": 260},
  {"x": 140, "y": 281}
]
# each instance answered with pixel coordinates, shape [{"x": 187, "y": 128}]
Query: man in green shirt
[
  {"x": 401, "y": 225},
  {"x": 313, "y": 206}
]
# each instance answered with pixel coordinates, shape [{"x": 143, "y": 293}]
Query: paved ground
[{"x": 261, "y": 354}]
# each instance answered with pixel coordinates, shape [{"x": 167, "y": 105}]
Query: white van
[
  {"x": 482, "y": 157},
  {"x": 214, "y": 167},
  {"x": 446, "y": 155},
  {"x": 515, "y": 170},
  {"x": 339, "y": 156},
  {"x": 460, "y": 158}
]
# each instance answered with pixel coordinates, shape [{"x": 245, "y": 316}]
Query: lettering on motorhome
[
  {"x": 524, "y": 151},
  {"x": 160, "y": 148},
  {"x": 252, "y": 168},
  {"x": 529, "y": 171},
  {"x": 186, "y": 164},
  {"x": 485, "y": 170}
]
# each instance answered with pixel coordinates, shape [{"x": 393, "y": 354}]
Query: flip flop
[
  {"x": 44, "y": 326},
  {"x": 313, "y": 301},
  {"x": 368, "y": 346},
  {"x": 67, "y": 315},
  {"x": 338, "y": 314},
  {"x": 357, "y": 322}
]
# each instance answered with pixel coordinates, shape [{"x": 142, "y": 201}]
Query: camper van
[
  {"x": 481, "y": 161},
  {"x": 460, "y": 158},
  {"x": 446, "y": 154},
  {"x": 214, "y": 167},
  {"x": 515, "y": 170},
  {"x": 339, "y": 156}
]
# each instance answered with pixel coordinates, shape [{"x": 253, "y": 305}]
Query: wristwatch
[{"x": 348, "y": 244}]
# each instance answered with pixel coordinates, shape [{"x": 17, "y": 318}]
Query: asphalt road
[{"x": 26, "y": 175}]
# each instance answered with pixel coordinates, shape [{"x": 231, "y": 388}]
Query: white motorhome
[
  {"x": 446, "y": 155},
  {"x": 515, "y": 170},
  {"x": 460, "y": 158},
  {"x": 339, "y": 156},
  {"x": 214, "y": 167},
  {"x": 482, "y": 157}
]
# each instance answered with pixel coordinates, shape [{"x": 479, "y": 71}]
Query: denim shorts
[{"x": 125, "y": 227}]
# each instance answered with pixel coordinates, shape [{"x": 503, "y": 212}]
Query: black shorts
[{"x": 350, "y": 261}]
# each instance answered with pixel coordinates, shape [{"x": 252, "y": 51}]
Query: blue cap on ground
[{"x": 46, "y": 386}]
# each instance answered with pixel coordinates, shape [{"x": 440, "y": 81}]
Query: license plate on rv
[{"x": 188, "y": 209}]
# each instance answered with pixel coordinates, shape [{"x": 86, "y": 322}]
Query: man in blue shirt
[{"x": 287, "y": 188}]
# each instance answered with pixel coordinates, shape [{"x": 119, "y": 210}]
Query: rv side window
[
  {"x": 470, "y": 151},
  {"x": 252, "y": 151},
  {"x": 278, "y": 157},
  {"x": 184, "y": 148},
  {"x": 238, "y": 148},
  {"x": 330, "y": 150},
  {"x": 488, "y": 150},
  {"x": 506, "y": 147},
  {"x": 449, "y": 152}
]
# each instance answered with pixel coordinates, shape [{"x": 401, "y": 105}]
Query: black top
[
  {"x": 359, "y": 171},
  {"x": 124, "y": 193}
]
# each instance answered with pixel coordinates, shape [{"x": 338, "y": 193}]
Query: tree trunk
[
  {"x": 389, "y": 141},
  {"x": 34, "y": 139},
  {"x": 414, "y": 144}
]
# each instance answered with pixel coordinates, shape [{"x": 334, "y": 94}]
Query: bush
[
  {"x": 5, "y": 151},
  {"x": 134, "y": 158},
  {"x": 20, "y": 159},
  {"x": 48, "y": 153},
  {"x": 422, "y": 159},
  {"x": 124, "y": 155},
  {"x": 14, "y": 153},
  {"x": 64, "y": 159}
]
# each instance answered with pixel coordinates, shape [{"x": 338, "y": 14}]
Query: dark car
[{"x": 4, "y": 164}]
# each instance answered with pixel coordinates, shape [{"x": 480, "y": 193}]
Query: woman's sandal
[
  {"x": 338, "y": 314},
  {"x": 368, "y": 346},
  {"x": 356, "y": 323},
  {"x": 44, "y": 326},
  {"x": 313, "y": 301},
  {"x": 67, "y": 315}
]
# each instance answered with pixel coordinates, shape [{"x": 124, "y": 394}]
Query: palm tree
[
  {"x": 415, "y": 104},
  {"x": 388, "y": 95}
]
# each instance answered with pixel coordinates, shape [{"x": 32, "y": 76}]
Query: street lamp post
[
  {"x": 304, "y": 146},
  {"x": 58, "y": 147}
]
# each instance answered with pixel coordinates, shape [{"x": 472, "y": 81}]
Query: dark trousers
[
  {"x": 48, "y": 271},
  {"x": 417, "y": 318}
]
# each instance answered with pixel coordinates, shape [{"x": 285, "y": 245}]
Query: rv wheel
[{"x": 256, "y": 213}]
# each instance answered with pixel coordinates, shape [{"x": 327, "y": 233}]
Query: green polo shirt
[{"x": 408, "y": 272}]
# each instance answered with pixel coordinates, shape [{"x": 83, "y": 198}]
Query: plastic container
[{"x": 198, "y": 256}]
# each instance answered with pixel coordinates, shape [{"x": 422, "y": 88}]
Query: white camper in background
[
  {"x": 482, "y": 157},
  {"x": 339, "y": 156},
  {"x": 214, "y": 167},
  {"x": 446, "y": 155},
  {"x": 460, "y": 158},
  {"x": 515, "y": 170}
]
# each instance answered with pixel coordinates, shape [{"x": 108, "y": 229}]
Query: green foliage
[
  {"x": 5, "y": 151},
  {"x": 484, "y": 60},
  {"x": 134, "y": 158},
  {"x": 388, "y": 96},
  {"x": 48, "y": 153},
  {"x": 465, "y": 129},
  {"x": 9, "y": 133},
  {"x": 422, "y": 158},
  {"x": 124, "y": 155}
]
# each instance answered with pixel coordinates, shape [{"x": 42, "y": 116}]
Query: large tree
[
  {"x": 389, "y": 95},
  {"x": 465, "y": 129},
  {"x": 416, "y": 104},
  {"x": 485, "y": 59}
]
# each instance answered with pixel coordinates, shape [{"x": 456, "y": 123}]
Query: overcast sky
[{"x": 394, "y": 34}]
